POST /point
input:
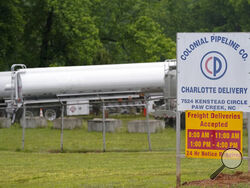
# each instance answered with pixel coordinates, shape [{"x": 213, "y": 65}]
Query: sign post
[
  {"x": 213, "y": 72},
  {"x": 178, "y": 149},
  {"x": 248, "y": 133}
]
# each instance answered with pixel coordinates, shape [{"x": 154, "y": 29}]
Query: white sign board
[
  {"x": 77, "y": 108},
  {"x": 213, "y": 71}
]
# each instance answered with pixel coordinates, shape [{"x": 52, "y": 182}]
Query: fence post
[
  {"x": 147, "y": 122},
  {"x": 62, "y": 125},
  {"x": 24, "y": 125},
  {"x": 103, "y": 127}
]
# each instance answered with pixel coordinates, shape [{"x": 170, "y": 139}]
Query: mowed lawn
[{"x": 126, "y": 162}]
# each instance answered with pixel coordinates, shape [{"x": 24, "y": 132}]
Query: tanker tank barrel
[{"x": 45, "y": 84}]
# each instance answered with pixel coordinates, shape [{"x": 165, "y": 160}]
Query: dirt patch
[{"x": 224, "y": 180}]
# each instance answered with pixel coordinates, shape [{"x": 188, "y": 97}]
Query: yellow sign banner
[{"x": 209, "y": 133}]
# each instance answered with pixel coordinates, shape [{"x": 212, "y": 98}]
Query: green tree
[
  {"x": 60, "y": 33},
  {"x": 242, "y": 13},
  {"x": 213, "y": 16},
  {"x": 145, "y": 41},
  {"x": 11, "y": 31},
  {"x": 77, "y": 32},
  {"x": 128, "y": 34},
  {"x": 172, "y": 15},
  {"x": 196, "y": 16}
]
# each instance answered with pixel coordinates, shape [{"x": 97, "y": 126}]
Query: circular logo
[
  {"x": 72, "y": 109},
  {"x": 213, "y": 65}
]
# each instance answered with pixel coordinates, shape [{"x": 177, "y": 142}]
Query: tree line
[{"x": 42, "y": 33}]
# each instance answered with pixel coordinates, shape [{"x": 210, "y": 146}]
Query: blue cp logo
[{"x": 213, "y": 65}]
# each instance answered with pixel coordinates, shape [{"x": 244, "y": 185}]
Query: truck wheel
[
  {"x": 2, "y": 113},
  {"x": 29, "y": 113},
  {"x": 50, "y": 114}
]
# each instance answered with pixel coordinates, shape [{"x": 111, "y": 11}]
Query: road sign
[
  {"x": 213, "y": 71},
  {"x": 209, "y": 133}
]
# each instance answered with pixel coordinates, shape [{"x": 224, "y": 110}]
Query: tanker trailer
[{"x": 59, "y": 84}]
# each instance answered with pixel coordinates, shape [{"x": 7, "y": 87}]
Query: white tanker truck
[{"x": 55, "y": 85}]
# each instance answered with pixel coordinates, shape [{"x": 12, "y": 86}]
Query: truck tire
[{"x": 50, "y": 114}]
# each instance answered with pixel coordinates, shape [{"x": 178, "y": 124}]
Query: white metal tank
[
  {"x": 49, "y": 82},
  {"x": 5, "y": 82}
]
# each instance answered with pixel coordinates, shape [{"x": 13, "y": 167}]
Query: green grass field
[{"x": 126, "y": 163}]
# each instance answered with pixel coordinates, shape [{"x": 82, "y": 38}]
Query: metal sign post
[
  {"x": 178, "y": 150},
  {"x": 248, "y": 134}
]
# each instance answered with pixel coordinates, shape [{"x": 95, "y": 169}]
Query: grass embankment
[{"x": 127, "y": 162}]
